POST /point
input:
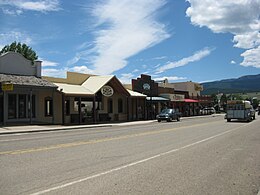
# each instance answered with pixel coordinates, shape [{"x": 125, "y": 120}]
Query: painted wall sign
[
  {"x": 107, "y": 91},
  {"x": 146, "y": 86}
]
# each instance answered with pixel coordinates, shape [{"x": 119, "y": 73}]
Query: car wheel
[
  {"x": 159, "y": 121},
  {"x": 228, "y": 120},
  {"x": 178, "y": 119}
]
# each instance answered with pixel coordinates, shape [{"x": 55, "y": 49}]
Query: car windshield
[{"x": 167, "y": 111}]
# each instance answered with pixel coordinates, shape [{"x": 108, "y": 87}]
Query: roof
[
  {"x": 95, "y": 83},
  {"x": 135, "y": 94},
  {"x": 26, "y": 80},
  {"x": 157, "y": 99},
  {"x": 70, "y": 89}
]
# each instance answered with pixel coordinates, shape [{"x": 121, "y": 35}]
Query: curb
[{"x": 94, "y": 126}]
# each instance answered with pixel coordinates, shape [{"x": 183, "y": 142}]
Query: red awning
[{"x": 190, "y": 100}]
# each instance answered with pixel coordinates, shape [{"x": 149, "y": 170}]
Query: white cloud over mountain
[{"x": 239, "y": 17}]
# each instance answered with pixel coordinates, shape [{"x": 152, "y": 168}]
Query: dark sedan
[{"x": 168, "y": 115}]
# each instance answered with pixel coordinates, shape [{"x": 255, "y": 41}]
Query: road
[{"x": 195, "y": 156}]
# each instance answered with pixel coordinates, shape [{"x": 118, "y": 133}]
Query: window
[
  {"x": 48, "y": 106},
  {"x": 11, "y": 106},
  {"x": 67, "y": 107},
  {"x": 22, "y": 106},
  {"x": 110, "y": 106},
  {"x": 120, "y": 106}
]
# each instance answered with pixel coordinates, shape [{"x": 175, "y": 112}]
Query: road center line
[
  {"x": 135, "y": 163},
  {"x": 73, "y": 144}
]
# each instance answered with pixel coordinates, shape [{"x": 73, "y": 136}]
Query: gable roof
[
  {"x": 95, "y": 83},
  {"x": 70, "y": 89}
]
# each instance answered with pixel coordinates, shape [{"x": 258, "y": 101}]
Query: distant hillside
[{"x": 244, "y": 84}]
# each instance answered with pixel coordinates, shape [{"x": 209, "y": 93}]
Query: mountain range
[{"x": 244, "y": 84}]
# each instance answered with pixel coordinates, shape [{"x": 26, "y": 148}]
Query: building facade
[
  {"x": 25, "y": 98},
  {"x": 96, "y": 99}
]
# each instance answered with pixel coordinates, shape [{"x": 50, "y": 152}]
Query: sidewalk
[{"x": 45, "y": 128}]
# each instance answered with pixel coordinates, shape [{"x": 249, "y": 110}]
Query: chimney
[{"x": 38, "y": 68}]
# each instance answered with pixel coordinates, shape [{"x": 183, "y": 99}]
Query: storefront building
[
  {"x": 154, "y": 103},
  {"x": 90, "y": 99},
  {"x": 25, "y": 98}
]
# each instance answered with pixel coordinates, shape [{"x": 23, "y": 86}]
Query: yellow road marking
[{"x": 59, "y": 146}]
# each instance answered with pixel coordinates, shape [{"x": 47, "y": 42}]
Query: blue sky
[{"x": 197, "y": 40}]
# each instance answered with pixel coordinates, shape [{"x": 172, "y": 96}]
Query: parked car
[
  {"x": 209, "y": 110},
  {"x": 169, "y": 115}
]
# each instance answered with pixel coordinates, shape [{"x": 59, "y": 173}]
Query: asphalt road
[{"x": 195, "y": 156}]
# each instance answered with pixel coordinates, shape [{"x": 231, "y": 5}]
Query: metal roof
[
  {"x": 70, "y": 89},
  {"x": 135, "y": 94},
  {"x": 95, "y": 83}
]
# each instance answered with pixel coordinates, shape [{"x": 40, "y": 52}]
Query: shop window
[
  {"x": 48, "y": 106},
  {"x": 22, "y": 106},
  {"x": 110, "y": 105},
  {"x": 67, "y": 107},
  {"x": 120, "y": 106},
  {"x": 11, "y": 106}
]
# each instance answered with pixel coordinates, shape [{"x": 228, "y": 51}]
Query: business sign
[
  {"x": 107, "y": 91},
  {"x": 7, "y": 87},
  {"x": 198, "y": 87},
  {"x": 174, "y": 97},
  {"x": 146, "y": 86}
]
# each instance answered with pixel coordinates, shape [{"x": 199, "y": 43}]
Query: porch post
[
  {"x": 62, "y": 108},
  {"x": 94, "y": 109},
  {"x": 30, "y": 106},
  {"x": 5, "y": 107},
  {"x": 53, "y": 114},
  {"x": 127, "y": 108},
  {"x": 79, "y": 110}
]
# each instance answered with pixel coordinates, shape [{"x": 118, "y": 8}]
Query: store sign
[
  {"x": 146, "y": 86},
  {"x": 198, "y": 87},
  {"x": 174, "y": 97},
  {"x": 107, "y": 91},
  {"x": 7, "y": 87}
]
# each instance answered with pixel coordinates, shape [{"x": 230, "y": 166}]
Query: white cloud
[
  {"x": 172, "y": 78},
  {"x": 40, "y": 5},
  {"x": 123, "y": 29},
  {"x": 232, "y": 62},
  {"x": 46, "y": 63},
  {"x": 52, "y": 72},
  {"x": 251, "y": 57},
  {"x": 15, "y": 35},
  {"x": 126, "y": 78},
  {"x": 195, "y": 57},
  {"x": 239, "y": 17},
  {"x": 82, "y": 69}
]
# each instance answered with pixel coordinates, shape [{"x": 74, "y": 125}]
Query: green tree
[{"x": 23, "y": 49}]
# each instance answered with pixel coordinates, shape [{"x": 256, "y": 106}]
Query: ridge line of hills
[{"x": 244, "y": 84}]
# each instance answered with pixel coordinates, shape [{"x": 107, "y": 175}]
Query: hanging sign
[
  {"x": 7, "y": 87},
  {"x": 107, "y": 91}
]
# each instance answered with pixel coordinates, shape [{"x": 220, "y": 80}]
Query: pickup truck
[{"x": 240, "y": 110}]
